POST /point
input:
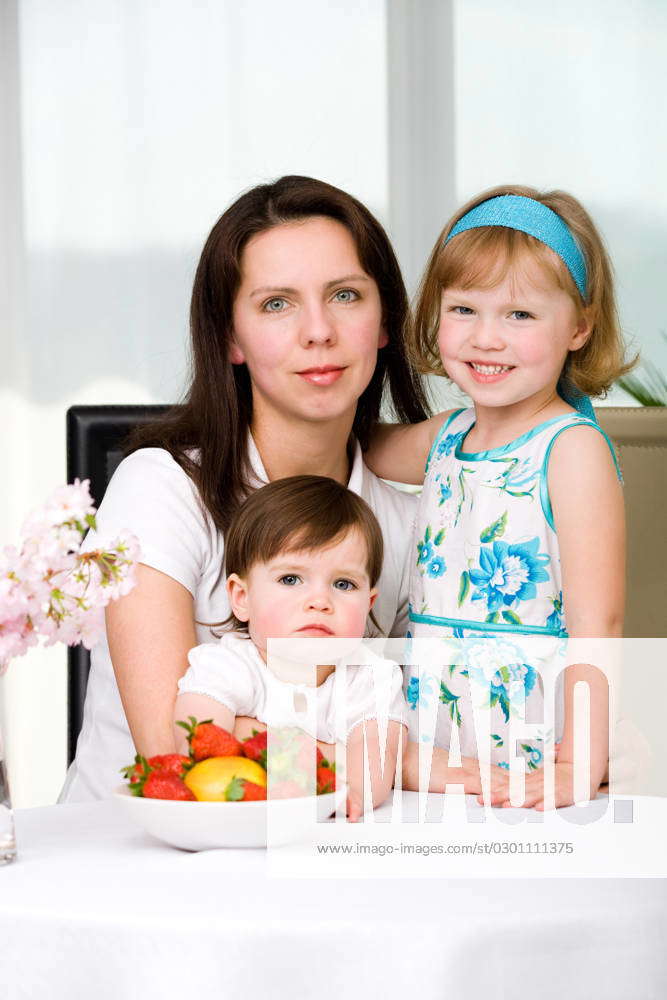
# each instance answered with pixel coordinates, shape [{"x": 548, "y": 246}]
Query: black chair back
[{"x": 95, "y": 441}]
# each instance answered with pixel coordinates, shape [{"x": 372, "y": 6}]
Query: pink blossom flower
[{"x": 52, "y": 591}]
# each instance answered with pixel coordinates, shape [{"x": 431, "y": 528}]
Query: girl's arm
[
  {"x": 399, "y": 451},
  {"x": 382, "y": 778},
  {"x": 150, "y": 631},
  {"x": 587, "y": 502}
]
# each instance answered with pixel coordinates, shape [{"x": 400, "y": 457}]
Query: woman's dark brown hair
[
  {"x": 216, "y": 413},
  {"x": 298, "y": 514}
]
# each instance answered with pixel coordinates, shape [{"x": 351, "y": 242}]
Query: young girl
[
  {"x": 303, "y": 557},
  {"x": 520, "y": 531}
]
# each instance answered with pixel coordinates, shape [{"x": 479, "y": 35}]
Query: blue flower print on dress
[
  {"x": 436, "y": 567},
  {"x": 451, "y": 441},
  {"x": 497, "y": 670},
  {"x": 418, "y": 690},
  {"x": 534, "y": 756},
  {"x": 444, "y": 491},
  {"x": 426, "y": 545},
  {"x": 508, "y": 573},
  {"x": 555, "y": 619}
]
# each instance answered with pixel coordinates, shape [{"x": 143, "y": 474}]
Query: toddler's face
[
  {"x": 508, "y": 344},
  {"x": 320, "y": 594}
]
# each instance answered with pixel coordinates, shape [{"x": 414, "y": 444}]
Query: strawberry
[
  {"x": 136, "y": 774},
  {"x": 205, "y": 739},
  {"x": 255, "y": 747},
  {"x": 163, "y": 785},
  {"x": 326, "y": 779},
  {"x": 240, "y": 790},
  {"x": 174, "y": 763},
  {"x": 285, "y": 790}
]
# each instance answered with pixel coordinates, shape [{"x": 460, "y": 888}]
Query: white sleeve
[
  {"x": 151, "y": 497},
  {"x": 217, "y": 674},
  {"x": 373, "y": 691}
]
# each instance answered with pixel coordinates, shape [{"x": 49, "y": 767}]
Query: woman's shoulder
[{"x": 387, "y": 501}]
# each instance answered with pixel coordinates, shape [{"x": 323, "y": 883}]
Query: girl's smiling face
[
  {"x": 307, "y": 322},
  {"x": 507, "y": 345}
]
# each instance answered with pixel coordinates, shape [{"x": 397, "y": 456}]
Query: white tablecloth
[{"x": 97, "y": 910}]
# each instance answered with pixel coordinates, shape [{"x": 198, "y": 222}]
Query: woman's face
[{"x": 307, "y": 322}]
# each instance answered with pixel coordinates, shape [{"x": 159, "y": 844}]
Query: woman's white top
[
  {"x": 232, "y": 672},
  {"x": 151, "y": 497}
]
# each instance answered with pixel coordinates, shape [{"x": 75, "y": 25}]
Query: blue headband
[{"x": 513, "y": 211}]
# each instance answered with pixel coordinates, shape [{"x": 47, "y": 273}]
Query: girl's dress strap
[
  {"x": 576, "y": 421},
  {"x": 447, "y": 425}
]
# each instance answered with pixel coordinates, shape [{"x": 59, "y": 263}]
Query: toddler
[{"x": 303, "y": 556}]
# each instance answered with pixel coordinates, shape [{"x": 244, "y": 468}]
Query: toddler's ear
[{"x": 237, "y": 592}]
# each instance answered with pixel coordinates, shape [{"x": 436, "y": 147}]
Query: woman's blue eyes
[
  {"x": 349, "y": 293},
  {"x": 274, "y": 305},
  {"x": 278, "y": 304}
]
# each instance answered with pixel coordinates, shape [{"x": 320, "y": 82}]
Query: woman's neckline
[{"x": 511, "y": 445}]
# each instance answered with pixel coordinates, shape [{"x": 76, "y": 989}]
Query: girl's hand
[{"x": 534, "y": 797}]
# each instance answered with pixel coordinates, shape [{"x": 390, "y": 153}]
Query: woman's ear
[
  {"x": 235, "y": 353},
  {"x": 237, "y": 592},
  {"x": 383, "y": 338}
]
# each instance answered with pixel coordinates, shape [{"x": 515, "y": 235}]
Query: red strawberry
[
  {"x": 285, "y": 790},
  {"x": 163, "y": 785},
  {"x": 240, "y": 790},
  {"x": 174, "y": 763},
  {"x": 205, "y": 739},
  {"x": 255, "y": 747},
  {"x": 326, "y": 779}
]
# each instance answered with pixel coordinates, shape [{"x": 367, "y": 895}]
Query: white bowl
[{"x": 205, "y": 826}]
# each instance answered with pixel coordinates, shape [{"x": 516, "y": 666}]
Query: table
[{"x": 96, "y": 909}]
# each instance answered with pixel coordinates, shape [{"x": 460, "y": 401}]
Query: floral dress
[{"x": 486, "y": 585}]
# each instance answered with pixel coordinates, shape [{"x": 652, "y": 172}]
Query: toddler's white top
[{"x": 232, "y": 672}]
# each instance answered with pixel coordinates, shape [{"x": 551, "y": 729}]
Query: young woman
[{"x": 298, "y": 320}]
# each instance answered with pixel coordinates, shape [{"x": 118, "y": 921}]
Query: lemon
[{"x": 208, "y": 779}]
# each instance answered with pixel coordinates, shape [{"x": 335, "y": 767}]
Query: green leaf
[
  {"x": 492, "y": 618},
  {"x": 427, "y": 533},
  {"x": 235, "y": 790},
  {"x": 494, "y": 530},
  {"x": 91, "y": 522},
  {"x": 648, "y": 385},
  {"x": 439, "y": 537},
  {"x": 512, "y": 618},
  {"x": 464, "y": 586}
]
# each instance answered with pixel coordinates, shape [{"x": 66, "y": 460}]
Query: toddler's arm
[
  {"x": 366, "y": 734},
  {"x": 399, "y": 451}
]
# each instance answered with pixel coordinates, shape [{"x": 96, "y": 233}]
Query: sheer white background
[{"x": 127, "y": 126}]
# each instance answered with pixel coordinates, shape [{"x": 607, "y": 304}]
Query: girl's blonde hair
[{"x": 481, "y": 258}]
